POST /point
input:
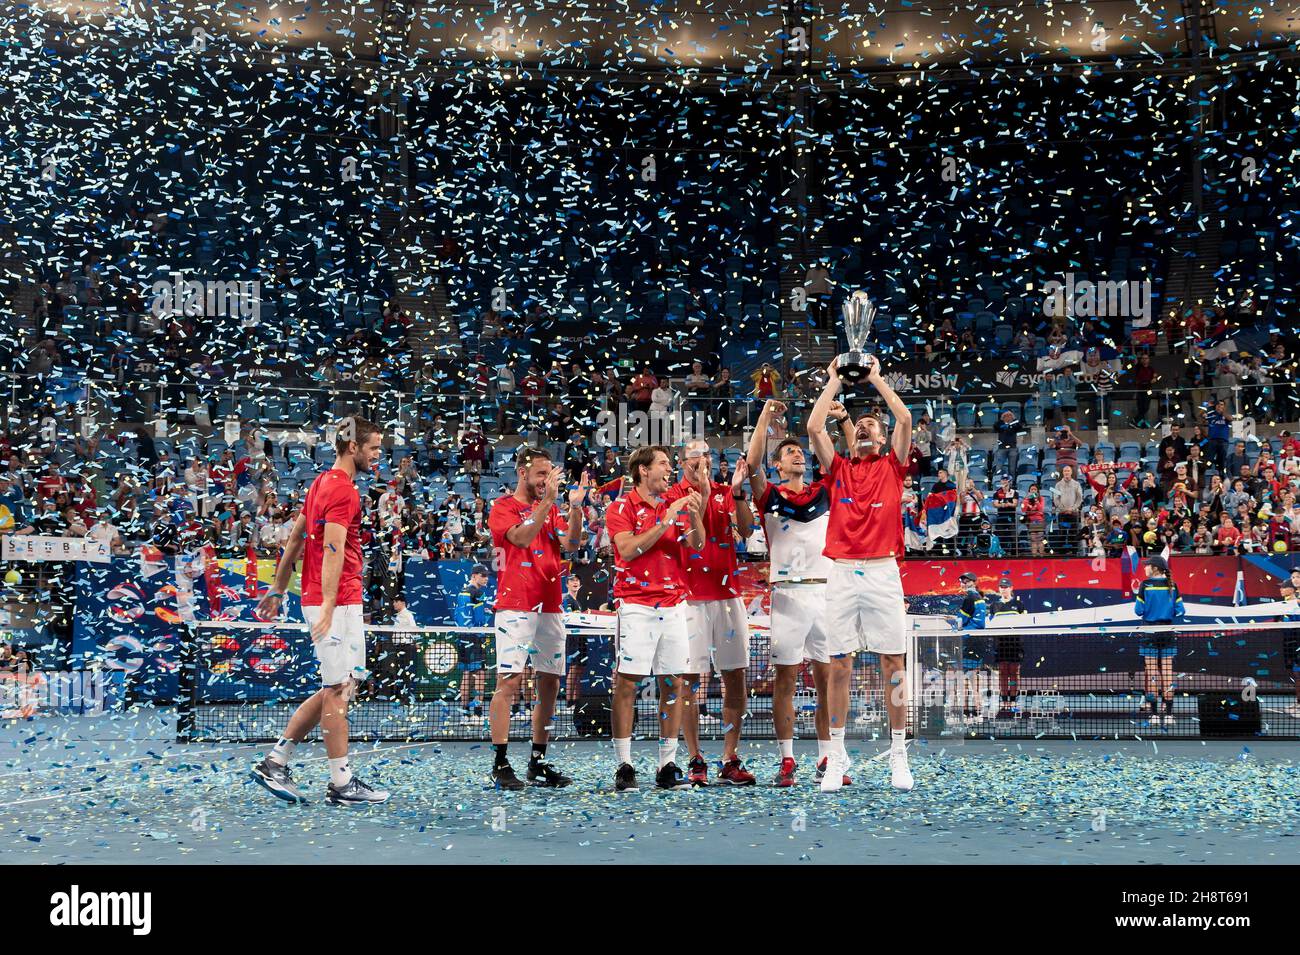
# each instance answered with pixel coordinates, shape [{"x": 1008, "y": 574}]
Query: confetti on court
[{"x": 69, "y": 796}]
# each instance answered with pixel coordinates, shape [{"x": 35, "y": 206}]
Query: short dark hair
[
  {"x": 353, "y": 428},
  {"x": 644, "y": 457},
  {"x": 786, "y": 443},
  {"x": 526, "y": 456}
]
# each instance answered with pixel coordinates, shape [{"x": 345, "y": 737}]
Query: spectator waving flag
[
  {"x": 913, "y": 532},
  {"x": 941, "y": 515},
  {"x": 1130, "y": 563}
]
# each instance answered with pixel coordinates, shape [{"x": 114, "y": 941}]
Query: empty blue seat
[
  {"x": 1130, "y": 452},
  {"x": 1033, "y": 412},
  {"x": 988, "y": 415},
  {"x": 966, "y": 417},
  {"x": 1003, "y": 334}
]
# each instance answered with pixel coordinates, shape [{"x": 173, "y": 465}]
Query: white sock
[
  {"x": 340, "y": 772},
  {"x": 282, "y": 751},
  {"x": 787, "y": 748},
  {"x": 898, "y": 741},
  {"x": 667, "y": 752},
  {"x": 837, "y": 742},
  {"x": 823, "y": 749},
  {"x": 623, "y": 750}
]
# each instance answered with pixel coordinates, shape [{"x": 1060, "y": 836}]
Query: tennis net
[{"x": 241, "y": 681}]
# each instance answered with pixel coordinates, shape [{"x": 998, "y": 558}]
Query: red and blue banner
[{"x": 131, "y": 621}]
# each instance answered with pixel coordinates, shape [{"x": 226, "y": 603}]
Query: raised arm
[
  {"x": 695, "y": 536},
  {"x": 755, "y": 456},
  {"x": 574, "y": 539},
  {"x": 744, "y": 516},
  {"x": 821, "y": 442},
  {"x": 901, "y": 441}
]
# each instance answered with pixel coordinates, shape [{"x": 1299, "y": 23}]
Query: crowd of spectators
[
  {"x": 1196, "y": 492},
  {"x": 1202, "y": 492}
]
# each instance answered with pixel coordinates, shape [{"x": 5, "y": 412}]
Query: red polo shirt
[
  {"x": 528, "y": 579},
  {"x": 657, "y": 577},
  {"x": 866, "y": 519},
  {"x": 332, "y": 499},
  {"x": 711, "y": 572}
]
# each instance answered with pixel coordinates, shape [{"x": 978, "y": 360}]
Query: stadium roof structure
[{"x": 686, "y": 39}]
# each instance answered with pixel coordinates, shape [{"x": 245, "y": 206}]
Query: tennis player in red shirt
[
  {"x": 716, "y": 620},
  {"x": 327, "y": 534},
  {"x": 529, "y": 536},
  {"x": 864, "y": 540},
  {"x": 651, "y": 537}
]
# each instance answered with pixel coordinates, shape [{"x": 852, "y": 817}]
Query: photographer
[{"x": 1033, "y": 510}]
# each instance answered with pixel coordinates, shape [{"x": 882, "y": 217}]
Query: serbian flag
[
  {"x": 913, "y": 532},
  {"x": 1130, "y": 569},
  {"x": 614, "y": 488},
  {"x": 941, "y": 515}
]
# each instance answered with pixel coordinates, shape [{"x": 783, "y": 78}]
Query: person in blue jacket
[
  {"x": 976, "y": 650},
  {"x": 1158, "y": 604},
  {"x": 472, "y": 609}
]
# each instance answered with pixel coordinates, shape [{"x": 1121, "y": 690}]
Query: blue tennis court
[{"x": 119, "y": 789}]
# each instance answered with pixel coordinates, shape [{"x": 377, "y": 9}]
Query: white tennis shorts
[
  {"x": 799, "y": 628},
  {"x": 864, "y": 600},
  {"x": 718, "y": 632},
  {"x": 529, "y": 638},
  {"x": 342, "y": 652},
  {"x": 651, "y": 640}
]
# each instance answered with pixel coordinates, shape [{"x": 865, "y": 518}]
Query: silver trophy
[{"x": 853, "y": 365}]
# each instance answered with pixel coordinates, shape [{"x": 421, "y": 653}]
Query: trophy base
[{"x": 852, "y": 366}]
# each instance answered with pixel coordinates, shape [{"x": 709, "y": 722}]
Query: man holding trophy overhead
[{"x": 864, "y": 541}]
